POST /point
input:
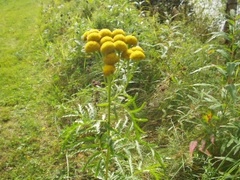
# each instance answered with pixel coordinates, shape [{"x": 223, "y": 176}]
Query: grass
[
  {"x": 28, "y": 137},
  {"x": 47, "y": 83}
]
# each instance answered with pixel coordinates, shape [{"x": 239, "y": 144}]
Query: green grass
[
  {"x": 47, "y": 82},
  {"x": 28, "y": 137}
]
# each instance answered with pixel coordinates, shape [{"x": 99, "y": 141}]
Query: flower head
[
  {"x": 84, "y": 36},
  {"x": 111, "y": 59},
  {"x": 112, "y": 45},
  {"x": 131, "y": 40},
  {"x": 94, "y": 36},
  {"x": 93, "y": 30},
  {"x": 92, "y": 46},
  {"x": 207, "y": 117},
  {"x": 107, "y": 47},
  {"x": 126, "y": 54},
  {"x": 105, "y": 39},
  {"x": 118, "y": 31},
  {"x": 108, "y": 70},
  {"x": 137, "y": 55},
  {"x": 137, "y": 48},
  {"x": 105, "y": 32},
  {"x": 119, "y": 37},
  {"x": 120, "y": 46}
]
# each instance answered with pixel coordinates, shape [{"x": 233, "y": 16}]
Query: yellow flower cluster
[{"x": 113, "y": 45}]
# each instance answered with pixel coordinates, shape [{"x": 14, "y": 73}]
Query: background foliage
[{"x": 189, "y": 83}]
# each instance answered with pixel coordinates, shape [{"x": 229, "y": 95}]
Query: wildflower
[
  {"x": 126, "y": 54},
  {"x": 92, "y": 46},
  {"x": 137, "y": 55},
  {"x": 131, "y": 40},
  {"x": 120, "y": 46},
  {"x": 107, "y": 47},
  {"x": 105, "y": 32},
  {"x": 119, "y": 37},
  {"x": 108, "y": 70},
  {"x": 105, "y": 39},
  {"x": 111, "y": 59},
  {"x": 93, "y": 30},
  {"x": 137, "y": 48},
  {"x": 84, "y": 36},
  {"x": 118, "y": 31},
  {"x": 208, "y": 117},
  {"x": 94, "y": 36}
]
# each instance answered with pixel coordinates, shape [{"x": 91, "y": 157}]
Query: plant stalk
[{"x": 109, "y": 86}]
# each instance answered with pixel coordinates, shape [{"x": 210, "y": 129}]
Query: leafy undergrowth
[{"x": 187, "y": 88}]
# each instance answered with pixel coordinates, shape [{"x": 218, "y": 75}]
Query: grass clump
[{"x": 86, "y": 105}]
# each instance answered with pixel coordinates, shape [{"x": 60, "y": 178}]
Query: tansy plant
[
  {"x": 113, "y": 46},
  {"x": 109, "y": 135}
]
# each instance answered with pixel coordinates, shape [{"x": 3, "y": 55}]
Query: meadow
[{"x": 157, "y": 99}]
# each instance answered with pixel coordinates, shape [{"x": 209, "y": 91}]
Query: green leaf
[
  {"x": 102, "y": 105},
  {"x": 218, "y": 34},
  {"x": 230, "y": 142},
  {"x": 224, "y": 53},
  {"x": 91, "y": 158},
  {"x": 98, "y": 168},
  {"x": 138, "y": 149},
  {"x": 231, "y": 68},
  {"x": 118, "y": 163},
  {"x": 226, "y": 159},
  {"x": 236, "y": 151},
  {"x": 219, "y": 68},
  {"x": 138, "y": 109},
  {"x": 141, "y": 119},
  {"x": 231, "y": 88}
]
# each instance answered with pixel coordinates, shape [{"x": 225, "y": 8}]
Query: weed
[{"x": 108, "y": 134}]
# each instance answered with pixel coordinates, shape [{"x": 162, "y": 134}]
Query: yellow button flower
[
  {"x": 105, "y": 39},
  {"x": 126, "y": 54},
  {"x": 111, "y": 59},
  {"x": 137, "y": 48},
  {"x": 131, "y": 40},
  {"x": 94, "y": 36},
  {"x": 118, "y": 31},
  {"x": 137, "y": 55},
  {"x": 108, "y": 70},
  {"x": 105, "y": 32},
  {"x": 84, "y": 36},
  {"x": 119, "y": 37},
  {"x": 92, "y": 46},
  {"x": 93, "y": 30},
  {"x": 107, "y": 47},
  {"x": 120, "y": 46}
]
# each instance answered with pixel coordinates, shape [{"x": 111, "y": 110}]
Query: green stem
[{"x": 109, "y": 86}]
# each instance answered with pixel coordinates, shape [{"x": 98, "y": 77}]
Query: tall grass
[{"x": 190, "y": 88}]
